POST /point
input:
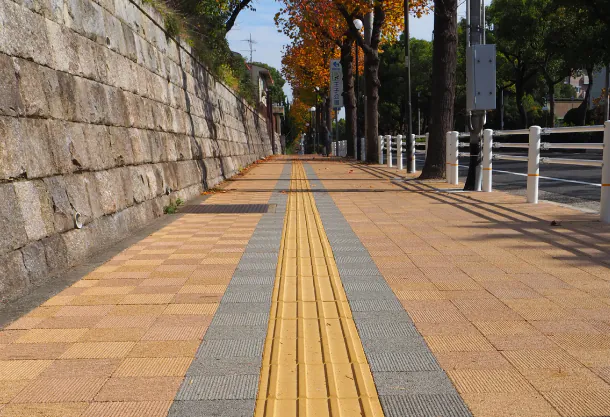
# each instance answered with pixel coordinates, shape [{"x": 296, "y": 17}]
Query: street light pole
[{"x": 409, "y": 118}]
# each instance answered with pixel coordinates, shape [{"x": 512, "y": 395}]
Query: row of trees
[
  {"x": 323, "y": 29},
  {"x": 540, "y": 43}
]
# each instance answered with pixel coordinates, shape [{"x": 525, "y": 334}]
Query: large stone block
[
  {"x": 98, "y": 147},
  {"x": 118, "y": 112},
  {"x": 120, "y": 146},
  {"x": 11, "y": 220},
  {"x": 13, "y": 275},
  {"x": 91, "y": 101},
  {"x": 55, "y": 252},
  {"x": 36, "y": 210},
  {"x": 111, "y": 193},
  {"x": 31, "y": 88},
  {"x": 78, "y": 196},
  {"x": 12, "y": 149},
  {"x": 23, "y": 33},
  {"x": 63, "y": 213},
  {"x": 86, "y": 18},
  {"x": 68, "y": 93},
  {"x": 140, "y": 146},
  {"x": 10, "y": 99},
  {"x": 35, "y": 262},
  {"x": 38, "y": 155},
  {"x": 62, "y": 47}
]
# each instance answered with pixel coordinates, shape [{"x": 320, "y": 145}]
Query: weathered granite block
[{"x": 36, "y": 209}]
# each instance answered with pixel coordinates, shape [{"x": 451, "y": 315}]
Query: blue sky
[{"x": 270, "y": 42}]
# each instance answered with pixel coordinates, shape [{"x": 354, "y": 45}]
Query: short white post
[
  {"x": 427, "y": 139},
  {"x": 388, "y": 148},
  {"x": 487, "y": 159},
  {"x": 411, "y": 155},
  {"x": 399, "y": 164},
  {"x": 380, "y": 150},
  {"x": 533, "y": 165},
  {"x": 363, "y": 147},
  {"x": 605, "y": 201},
  {"x": 455, "y": 157},
  {"x": 448, "y": 170}
]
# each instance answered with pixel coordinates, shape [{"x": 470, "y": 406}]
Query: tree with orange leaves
[
  {"x": 319, "y": 24},
  {"x": 387, "y": 17}
]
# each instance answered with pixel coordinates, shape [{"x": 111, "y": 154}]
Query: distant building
[{"x": 261, "y": 78}]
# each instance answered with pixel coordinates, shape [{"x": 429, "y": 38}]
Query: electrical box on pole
[{"x": 481, "y": 77}]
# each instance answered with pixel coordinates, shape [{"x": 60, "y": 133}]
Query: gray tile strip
[
  {"x": 409, "y": 380},
  {"x": 223, "y": 378}
]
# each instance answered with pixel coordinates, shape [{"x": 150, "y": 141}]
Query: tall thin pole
[
  {"x": 607, "y": 109},
  {"x": 357, "y": 102},
  {"x": 409, "y": 118}
]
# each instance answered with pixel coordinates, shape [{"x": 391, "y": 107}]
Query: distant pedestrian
[{"x": 327, "y": 141}]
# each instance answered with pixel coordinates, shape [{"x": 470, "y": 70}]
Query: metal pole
[
  {"x": 605, "y": 200},
  {"x": 380, "y": 149},
  {"x": 533, "y": 165},
  {"x": 455, "y": 157},
  {"x": 357, "y": 102},
  {"x": 476, "y": 28},
  {"x": 409, "y": 110},
  {"x": 607, "y": 92},
  {"x": 336, "y": 126},
  {"x": 487, "y": 160},
  {"x": 388, "y": 149}
]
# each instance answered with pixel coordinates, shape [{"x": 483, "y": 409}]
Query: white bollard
[
  {"x": 487, "y": 159},
  {"x": 363, "y": 148},
  {"x": 399, "y": 164},
  {"x": 455, "y": 157},
  {"x": 605, "y": 201},
  {"x": 448, "y": 169},
  {"x": 533, "y": 165},
  {"x": 411, "y": 154},
  {"x": 380, "y": 149},
  {"x": 388, "y": 148}
]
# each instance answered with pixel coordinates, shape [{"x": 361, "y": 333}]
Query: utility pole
[
  {"x": 475, "y": 36},
  {"x": 409, "y": 110}
]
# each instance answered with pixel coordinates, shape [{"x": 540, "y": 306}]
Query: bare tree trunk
[
  {"x": 372, "y": 83},
  {"x": 349, "y": 98},
  {"x": 519, "y": 95},
  {"x": 444, "y": 59}
]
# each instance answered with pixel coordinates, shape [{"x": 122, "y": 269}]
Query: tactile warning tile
[
  {"x": 226, "y": 208},
  {"x": 312, "y": 364}
]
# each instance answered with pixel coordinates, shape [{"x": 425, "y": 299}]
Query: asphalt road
[{"x": 578, "y": 186}]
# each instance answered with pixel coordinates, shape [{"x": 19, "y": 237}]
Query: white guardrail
[
  {"x": 533, "y": 158},
  {"x": 339, "y": 148},
  {"x": 397, "y": 147}
]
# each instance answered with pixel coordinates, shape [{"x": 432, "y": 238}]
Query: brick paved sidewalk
[
  {"x": 516, "y": 311},
  {"x": 464, "y": 304}
]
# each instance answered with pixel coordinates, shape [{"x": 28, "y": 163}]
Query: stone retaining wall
[{"x": 103, "y": 114}]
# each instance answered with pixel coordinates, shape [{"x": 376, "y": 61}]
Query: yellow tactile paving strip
[
  {"x": 515, "y": 311},
  {"x": 313, "y": 363},
  {"x": 119, "y": 341}
]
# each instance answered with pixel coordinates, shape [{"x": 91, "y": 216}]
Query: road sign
[{"x": 336, "y": 84}]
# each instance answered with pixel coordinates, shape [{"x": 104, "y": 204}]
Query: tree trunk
[
  {"x": 550, "y": 84},
  {"x": 349, "y": 98},
  {"x": 519, "y": 95},
  {"x": 444, "y": 65},
  {"x": 372, "y": 83}
]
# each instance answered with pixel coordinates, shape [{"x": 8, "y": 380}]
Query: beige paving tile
[
  {"x": 124, "y": 334},
  {"x": 44, "y": 410},
  {"x": 81, "y": 368},
  {"x": 98, "y": 350},
  {"x": 508, "y": 405},
  {"x": 60, "y": 390},
  {"x": 163, "y": 349},
  {"x": 14, "y": 370},
  {"x": 564, "y": 379},
  {"x": 33, "y": 351},
  {"x": 10, "y": 388},
  {"x": 139, "y": 389},
  {"x": 149, "y": 367},
  {"x": 541, "y": 359},
  {"x": 580, "y": 402},
  {"x": 139, "y": 409}
]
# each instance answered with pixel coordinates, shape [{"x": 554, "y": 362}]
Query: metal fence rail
[{"x": 534, "y": 159}]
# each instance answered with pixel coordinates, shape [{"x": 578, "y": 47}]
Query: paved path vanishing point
[{"x": 357, "y": 293}]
